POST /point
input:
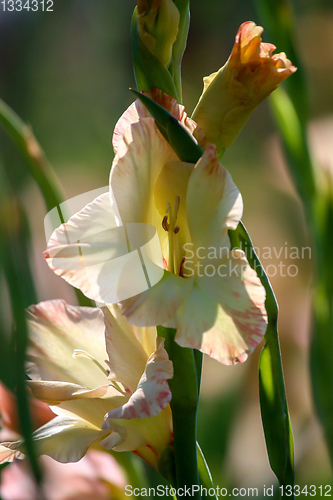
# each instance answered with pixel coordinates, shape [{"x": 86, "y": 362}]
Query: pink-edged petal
[
  {"x": 138, "y": 111},
  {"x": 238, "y": 304},
  {"x": 159, "y": 304},
  {"x": 127, "y": 358},
  {"x": 213, "y": 202},
  {"x": 8, "y": 453},
  {"x": 152, "y": 393},
  {"x": 56, "y": 329},
  {"x": 64, "y": 439},
  {"x": 195, "y": 316}
]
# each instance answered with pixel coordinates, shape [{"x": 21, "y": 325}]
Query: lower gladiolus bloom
[
  {"x": 208, "y": 293},
  {"x": 105, "y": 380}
]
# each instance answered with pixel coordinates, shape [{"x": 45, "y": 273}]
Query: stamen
[
  {"x": 172, "y": 230},
  {"x": 165, "y": 223},
  {"x": 78, "y": 353}
]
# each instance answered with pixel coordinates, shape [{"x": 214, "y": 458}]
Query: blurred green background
[{"x": 67, "y": 74}]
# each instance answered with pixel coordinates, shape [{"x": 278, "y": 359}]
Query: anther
[
  {"x": 176, "y": 230},
  {"x": 165, "y": 223}
]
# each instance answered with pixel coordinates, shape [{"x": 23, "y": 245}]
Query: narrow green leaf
[
  {"x": 181, "y": 141},
  {"x": 273, "y": 401},
  {"x": 295, "y": 145},
  {"x": 38, "y": 165},
  {"x": 279, "y": 21},
  {"x": 205, "y": 476},
  {"x": 14, "y": 262},
  {"x": 33, "y": 154}
]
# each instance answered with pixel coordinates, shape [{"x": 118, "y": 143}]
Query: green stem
[{"x": 184, "y": 405}]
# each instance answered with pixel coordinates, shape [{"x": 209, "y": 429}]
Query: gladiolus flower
[
  {"x": 213, "y": 298},
  {"x": 104, "y": 379},
  {"x": 231, "y": 94},
  {"x": 158, "y": 22}
]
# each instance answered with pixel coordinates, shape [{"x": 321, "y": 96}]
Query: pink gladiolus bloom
[
  {"x": 105, "y": 380},
  {"x": 208, "y": 293}
]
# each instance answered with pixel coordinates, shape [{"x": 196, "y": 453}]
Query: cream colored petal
[
  {"x": 228, "y": 311},
  {"x": 152, "y": 393},
  {"x": 155, "y": 432},
  {"x": 145, "y": 335},
  {"x": 56, "y": 329},
  {"x": 213, "y": 203},
  {"x": 53, "y": 393},
  {"x": 127, "y": 358},
  {"x": 140, "y": 158},
  {"x": 138, "y": 111},
  {"x": 160, "y": 303},
  {"x": 90, "y": 251},
  {"x": 64, "y": 439},
  {"x": 91, "y": 405}
]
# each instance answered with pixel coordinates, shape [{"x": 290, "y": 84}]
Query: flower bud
[
  {"x": 158, "y": 22},
  {"x": 231, "y": 94}
]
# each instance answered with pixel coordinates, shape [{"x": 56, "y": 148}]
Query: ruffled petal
[
  {"x": 56, "y": 329},
  {"x": 237, "y": 308},
  {"x": 8, "y": 453},
  {"x": 152, "y": 393}
]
